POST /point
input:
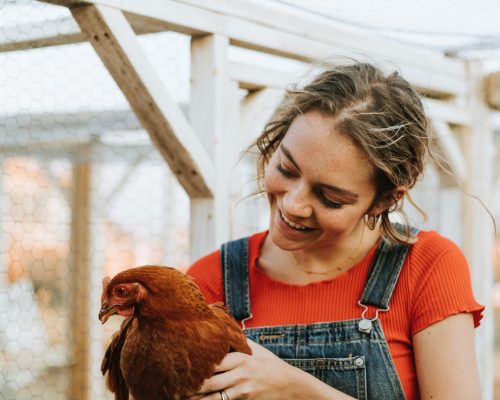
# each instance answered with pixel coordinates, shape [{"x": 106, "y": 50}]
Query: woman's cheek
[{"x": 271, "y": 180}]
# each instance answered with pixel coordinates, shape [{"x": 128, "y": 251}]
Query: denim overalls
[{"x": 351, "y": 356}]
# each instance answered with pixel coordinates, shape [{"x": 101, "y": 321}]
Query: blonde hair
[{"x": 381, "y": 114}]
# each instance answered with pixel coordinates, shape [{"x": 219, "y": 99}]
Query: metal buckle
[{"x": 365, "y": 325}]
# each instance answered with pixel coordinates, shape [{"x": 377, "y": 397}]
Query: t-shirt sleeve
[
  {"x": 442, "y": 286},
  {"x": 206, "y": 273}
]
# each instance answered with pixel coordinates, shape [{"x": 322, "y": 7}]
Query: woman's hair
[{"x": 381, "y": 114}]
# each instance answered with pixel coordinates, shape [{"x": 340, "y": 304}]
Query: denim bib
[{"x": 351, "y": 356}]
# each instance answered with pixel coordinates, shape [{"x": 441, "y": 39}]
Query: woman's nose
[{"x": 296, "y": 202}]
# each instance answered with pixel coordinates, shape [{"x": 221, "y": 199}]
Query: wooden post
[
  {"x": 87, "y": 243},
  {"x": 492, "y": 92},
  {"x": 97, "y": 246},
  {"x": 169, "y": 217},
  {"x": 256, "y": 109},
  {"x": 80, "y": 283},
  {"x": 236, "y": 145},
  {"x": 209, "y": 225},
  {"x": 478, "y": 235}
]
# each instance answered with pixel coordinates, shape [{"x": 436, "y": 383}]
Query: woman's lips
[{"x": 288, "y": 222}]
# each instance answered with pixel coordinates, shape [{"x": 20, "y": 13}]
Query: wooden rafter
[
  {"x": 451, "y": 158},
  {"x": 58, "y": 32},
  {"x": 277, "y": 35},
  {"x": 40, "y": 34},
  {"x": 115, "y": 42},
  {"x": 323, "y": 30},
  {"x": 492, "y": 90},
  {"x": 257, "y": 78},
  {"x": 444, "y": 111}
]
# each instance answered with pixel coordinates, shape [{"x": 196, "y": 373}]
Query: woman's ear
[{"x": 387, "y": 201}]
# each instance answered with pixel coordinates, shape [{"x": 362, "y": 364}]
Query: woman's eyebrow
[
  {"x": 340, "y": 191},
  {"x": 335, "y": 189}
]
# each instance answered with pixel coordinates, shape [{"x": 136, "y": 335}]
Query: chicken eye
[{"x": 121, "y": 291}]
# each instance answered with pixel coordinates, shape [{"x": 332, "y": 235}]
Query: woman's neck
[{"x": 312, "y": 265}]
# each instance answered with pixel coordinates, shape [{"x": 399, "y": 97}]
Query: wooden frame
[{"x": 114, "y": 40}]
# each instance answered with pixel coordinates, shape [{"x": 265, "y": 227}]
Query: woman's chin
[{"x": 287, "y": 239}]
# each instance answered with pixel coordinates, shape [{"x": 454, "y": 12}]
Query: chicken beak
[{"x": 107, "y": 311}]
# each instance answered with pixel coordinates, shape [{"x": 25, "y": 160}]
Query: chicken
[{"x": 171, "y": 341}]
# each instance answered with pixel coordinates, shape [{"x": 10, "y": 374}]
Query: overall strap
[
  {"x": 234, "y": 261},
  {"x": 384, "y": 272}
]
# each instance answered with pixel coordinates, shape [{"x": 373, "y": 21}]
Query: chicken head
[{"x": 120, "y": 298}]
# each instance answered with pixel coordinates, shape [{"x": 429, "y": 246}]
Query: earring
[{"x": 371, "y": 221}]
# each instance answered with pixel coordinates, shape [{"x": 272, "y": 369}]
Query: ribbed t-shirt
[{"x": 434, "y": 283}]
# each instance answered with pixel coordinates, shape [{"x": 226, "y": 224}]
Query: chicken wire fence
[{"x": 84, "y": 194}]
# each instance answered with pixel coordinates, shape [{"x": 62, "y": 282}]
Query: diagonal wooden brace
[{"x": 115, "y": 42}]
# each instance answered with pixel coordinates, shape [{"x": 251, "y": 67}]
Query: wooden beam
[
  {"x": 445, "y": 111},
  {"x": 97, "y": 245},
  {"x": 85, "y": 151},
  {"x": 59, "y": 32},
  {"x": 478, "y": 227},
  {"x": 492, "y": 90},
  {"x": 115, "y": 42},
  {"x": 412, "y": 61},
  {"x": 495, "y": 121},
  {"x": 301, "y": 39},
  {"x": 236, "y": 144},
  {"x": 63, "y": 129},
  {"x": 323, "y": 29},
  {"x": 209, "y": 102},
  {"x": 40, "y": 34},
  {"x": 79, "y": 387},
  {"x": 257, "y": 109},
  {"x": 254, "y": 78},
  {"x": 449, "y": 153}
]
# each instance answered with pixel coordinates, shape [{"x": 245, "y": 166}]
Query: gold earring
[{"x": 371, "y": 221}]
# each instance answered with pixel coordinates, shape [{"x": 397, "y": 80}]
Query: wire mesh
[{"x": 83, "y": 194}]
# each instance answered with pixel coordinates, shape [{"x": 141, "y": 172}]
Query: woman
[{"x": 339, "y": 302}]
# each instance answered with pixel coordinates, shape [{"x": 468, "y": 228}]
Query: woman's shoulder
[
  {"x": 207, "y": 270},
  {"x": 435, "y": 261},
  {"x": 206, "y": 273},
  {"x": 431, "y": 245},
  {"x": 207, "y": 262},
  {"x": 439, "y": 280},
  {"x": 213, "y": 259}
]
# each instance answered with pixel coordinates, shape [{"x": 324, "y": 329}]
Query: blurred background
[{"x": 85, "y": 193}]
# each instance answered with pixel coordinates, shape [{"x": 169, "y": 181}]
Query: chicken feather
[{"x": 171, "y": 341}]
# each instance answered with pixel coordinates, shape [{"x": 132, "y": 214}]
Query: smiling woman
[
  {"x": 341, "y": 302},
  {"x": 318, "y": 198}
]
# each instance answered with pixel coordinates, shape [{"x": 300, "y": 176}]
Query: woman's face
[{"x": 319, "y": 185}]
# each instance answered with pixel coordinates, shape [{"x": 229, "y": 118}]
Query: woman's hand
[
  {"x": 263, "y": 376},
  {"x": 259, "y": 376}
]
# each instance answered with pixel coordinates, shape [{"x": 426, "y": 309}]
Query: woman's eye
[
  {"x": 330, "y": 204},
  {"x": 327, "y": 202},
  {"x": 284, "y": 172}
]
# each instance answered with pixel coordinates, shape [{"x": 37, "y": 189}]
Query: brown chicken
[{"x": 171, "y": 341}]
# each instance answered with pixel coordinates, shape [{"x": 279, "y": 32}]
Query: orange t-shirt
[{"x": 434, "y": 283}]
